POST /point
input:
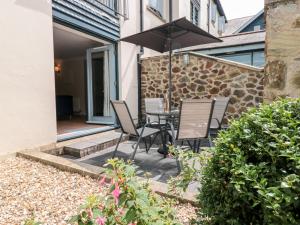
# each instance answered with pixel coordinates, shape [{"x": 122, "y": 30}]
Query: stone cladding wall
[
  {"x": 282, "y": 49},
  {"x": 204, "y": 77}
]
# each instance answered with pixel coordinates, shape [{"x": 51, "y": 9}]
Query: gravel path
[{"x": 28, "y": 187}]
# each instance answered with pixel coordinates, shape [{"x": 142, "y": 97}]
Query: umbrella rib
[{"x": 185, "y": 32}]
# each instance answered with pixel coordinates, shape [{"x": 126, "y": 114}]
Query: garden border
[{"x": 96, "y": 172}]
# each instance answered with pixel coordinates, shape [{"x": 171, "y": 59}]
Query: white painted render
[
  {"x": 27, "y": 81},
  {"x": 128, "y": 52},
  {"x": 27, "y": 93}
]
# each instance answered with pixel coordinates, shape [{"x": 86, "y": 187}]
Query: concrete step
[{"x": 87, "y": 147}]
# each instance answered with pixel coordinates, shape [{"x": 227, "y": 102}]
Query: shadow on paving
[{"x": 153, "y": 164}]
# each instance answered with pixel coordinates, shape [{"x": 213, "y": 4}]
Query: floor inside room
[{"x": 74, "y": 124}]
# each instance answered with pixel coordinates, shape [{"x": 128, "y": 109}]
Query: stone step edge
[
  {"x": 96, "y": 148},
  {"x": 97, "y": 173}
]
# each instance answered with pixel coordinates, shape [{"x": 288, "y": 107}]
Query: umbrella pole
[{"x": 170, "y": 75}]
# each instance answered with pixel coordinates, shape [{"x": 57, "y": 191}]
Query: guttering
[
  {"x": 170, "y": 11},
  {"x": 139, "y": 65},
  {"x": 208, "y": 16}
]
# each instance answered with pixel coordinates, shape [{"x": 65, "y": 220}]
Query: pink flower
[
  {"x": 101, "y": 182},
  {"x": 116, "y": 193},
  {"x": 100, "y": 221},
  {"x": 90, "y": 213},
  {"x": 132, "y": 224}
]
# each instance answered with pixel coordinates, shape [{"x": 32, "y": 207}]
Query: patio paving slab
[{"x": 152, "y": 165}]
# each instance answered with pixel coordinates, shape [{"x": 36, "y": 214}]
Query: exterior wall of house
[
  {"x": 204, "y": 77},
  {"x": 214, "y": 26},
  {"x": 128, "y": 79},
  {"x": 27, "y": 93},
  {"x": 128, "y": 82},
  {"x": 183, "y": 9},
  {"x": 282, "y": 48}
]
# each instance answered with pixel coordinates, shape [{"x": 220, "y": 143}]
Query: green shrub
[
  {"x": 127, "y": 201},
  {"x": 31, "y": 221},
  {"x": 254, "y": 175}
]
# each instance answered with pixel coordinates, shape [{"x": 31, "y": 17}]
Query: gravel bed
[{"x": 53, "y": 196}]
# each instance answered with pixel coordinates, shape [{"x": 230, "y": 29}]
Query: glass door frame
[{"x": 109, "y": 73}]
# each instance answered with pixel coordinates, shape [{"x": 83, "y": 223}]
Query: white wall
[
  {"x": 27, "y": 94},
  {"x": 128, "y": 52}
]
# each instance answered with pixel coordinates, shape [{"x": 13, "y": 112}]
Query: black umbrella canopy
[
  {"x": 182, "y": 33},
  {"x": 177, "y": 34}
]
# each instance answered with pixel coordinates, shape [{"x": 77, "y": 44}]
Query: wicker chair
[
  {"x": 194, "y": 122},
  {"x": 127, "y": 126},
  {"x": 220, "y": 108}
]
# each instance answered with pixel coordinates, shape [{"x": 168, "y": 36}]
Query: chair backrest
[
  {"x": 195, "y": 117},
  {"x": 220, "y": 108},
  {"x": 154, "y": 105},
  {"x": 124, "y": 117}
]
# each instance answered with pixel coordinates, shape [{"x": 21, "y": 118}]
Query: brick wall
[{"x": 204, "y": 77}]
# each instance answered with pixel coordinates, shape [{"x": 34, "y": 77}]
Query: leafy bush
[
  {"x": 254, "y": 174},
  {"x": 31, "y": 221},
  {"x": 127, "y": 201}
]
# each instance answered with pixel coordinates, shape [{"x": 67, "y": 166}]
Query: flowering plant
[{"x": 127, "y": 201}]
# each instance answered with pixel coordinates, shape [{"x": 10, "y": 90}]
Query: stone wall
[
  {"x": 204, "y": 77},
  {"x": 282, "y": 49}
]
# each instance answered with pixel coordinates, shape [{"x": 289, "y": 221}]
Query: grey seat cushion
[{"x": 148, "y": 131}]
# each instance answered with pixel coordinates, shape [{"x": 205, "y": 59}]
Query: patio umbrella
[{"x": 177, "y": 34}]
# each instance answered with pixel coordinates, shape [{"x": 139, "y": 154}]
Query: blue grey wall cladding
[{"x": 89, "y": 16}]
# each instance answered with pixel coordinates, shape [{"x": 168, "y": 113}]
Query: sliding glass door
[{"x": 101, "y": 80}]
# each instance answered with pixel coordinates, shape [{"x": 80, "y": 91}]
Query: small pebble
[{"x": 53, "y": 196}]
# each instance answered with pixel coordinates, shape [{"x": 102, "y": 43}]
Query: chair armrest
[{"x": 219, "y": 123}]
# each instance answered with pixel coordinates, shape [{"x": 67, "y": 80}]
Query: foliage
[
  {"x": 254, "y": 174},
  {"x": 127, "y": 201},
  {"x": 191, "y": 164},
  {"x": 31, "y": 221}
]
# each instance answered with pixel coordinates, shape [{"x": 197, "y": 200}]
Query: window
[
  {"x": 259, "y": 59},
  {"x": 221, "y": 24},
  {"x": 249, "y": 58},
  {"x": 157, "y": 6},
  {"x": 213, "y": 12},
  {"x": 245, "y": 58},
  {"x": 257, "y": 28},
  {"x": 195, "y": 10}
]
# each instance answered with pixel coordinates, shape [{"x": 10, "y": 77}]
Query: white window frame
[
  {"x": 213, "y": 12},
  {"x": 158, "y": 6},
  {"x": 195, "y": 5},
  {"x": 221, "y": 24}
]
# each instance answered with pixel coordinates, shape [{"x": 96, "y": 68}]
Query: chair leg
[
  {"x": 146, "y": 145},
  {"x": 199, "y": 146},
  {"x": 152, "y": 141},
  {"x": 191, "y": 146},
  {"x": 116, "y": 149},
  {"x": 209, "y": 140},
  {"x": 195, "y": 146},
  {"x": 136, "y": 147}
]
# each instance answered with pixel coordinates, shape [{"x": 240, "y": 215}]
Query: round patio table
[{"x": 169, "y": 117}]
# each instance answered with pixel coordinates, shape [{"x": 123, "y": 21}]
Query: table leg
[{"x": 164, "y": 149}]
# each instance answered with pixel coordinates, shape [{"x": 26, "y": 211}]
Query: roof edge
[
  {"x": 245, "y": 66},
  {"x": 258, "y": 69},
  {"x": 249, "y": 21}
]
